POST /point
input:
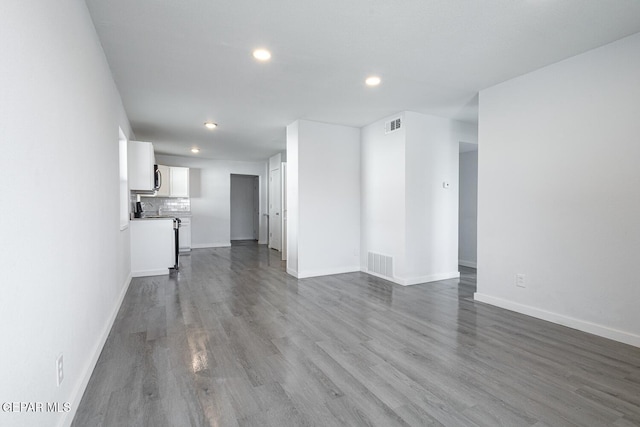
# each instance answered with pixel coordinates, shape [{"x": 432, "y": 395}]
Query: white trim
[
  {"x": 426, "y": 279},
  {"x": 581, "y": 325},
  {"x": 81, "y": 387},
  {"x": 145, "y": 273},
  {"x": 327, "y": 271},
  {"x": 390, "y": 279},
  {"x": 292, "y": 272},
  {"x": 262, "y": 242},
  {"x": 470, "y": 264},
  {"x": 415, "y": 280},
  {"x": 210, "y": 245}
]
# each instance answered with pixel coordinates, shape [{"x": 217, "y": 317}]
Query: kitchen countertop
[
  {"x": 152, "y": 218},
  {"x": 165, "y": 215}
]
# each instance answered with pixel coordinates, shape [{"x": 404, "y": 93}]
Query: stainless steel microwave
[{"x": 157, "y": 178}]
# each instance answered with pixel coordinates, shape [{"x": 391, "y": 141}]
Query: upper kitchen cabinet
[
  {"x": 141, "y": 162},
  {"x": 174, "y": 183},
  {"x": 179, "y": 183}
]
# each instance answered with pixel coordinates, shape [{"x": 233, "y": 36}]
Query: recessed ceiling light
[
  {"x": 195, "y": 150},
  {"x": 372, "y": 81},
  {"x": 210, "y": 125},
  {"x": 262, "y": 54}
]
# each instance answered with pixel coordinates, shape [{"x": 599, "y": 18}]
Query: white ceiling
[{"x": 179, "y": 63}]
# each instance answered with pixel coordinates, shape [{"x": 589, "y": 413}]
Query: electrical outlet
[
  {"x": 520, "y": 280},
  {"x": 59, "y": 370}
]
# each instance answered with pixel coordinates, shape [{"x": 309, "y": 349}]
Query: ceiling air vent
[{"x": 392, "y": 126}]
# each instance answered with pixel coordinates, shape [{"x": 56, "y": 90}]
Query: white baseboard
[
  {"x": 262, "y": 242},
  {"x": 292, "y": 272},
  {"x": 80, "y": 388},
  {"x": 210, "y": 245},
  {"x": 470, "y": 264},
  {"x": 431, "y": 278},
  {"x": 145, "y": 273},
  {"x": 415, "y": 280},
  {"x": 581, "y": 325},
  {"x": 390, "y": 279},
  {"x": 327, "y": 271}
]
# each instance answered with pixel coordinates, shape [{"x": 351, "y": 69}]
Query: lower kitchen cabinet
[
  {"x": 185, "y": 234},
  {"x": 152, "y": 246}
]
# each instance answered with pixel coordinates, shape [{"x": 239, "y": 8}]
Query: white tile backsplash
[{"x": 163, "y": 204}]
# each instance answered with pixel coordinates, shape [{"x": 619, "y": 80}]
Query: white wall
[
  {"x": 468, "y": 214},
  {"x": 242, "y": 207},
  {"x": 65, "y": 262},
  {"x": 383, "y": 193},
  {"x": 210, "y": 194},
  {"x": 292, "y": 190},
  {"x": 407, "y": 214},
  {"x": 325, "y": 186},
  {"x": 558, "y": 192},
  {"x": 431, "y": 210}
]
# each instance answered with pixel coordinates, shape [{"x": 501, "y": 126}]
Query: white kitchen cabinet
[
  {"x": 185, "y": 234},
  {"x": 152, "y": 246},
  {"x": 175, "y": 182},
  {"x": 165, "y": 174},
  {"x": 179, "y": 182},
  {"x": 140, "y": 159}
]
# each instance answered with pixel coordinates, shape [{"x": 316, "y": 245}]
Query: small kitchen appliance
[{"x": 137, "y": 213}]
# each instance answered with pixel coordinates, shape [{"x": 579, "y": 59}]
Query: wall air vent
[
  {"x": 392, "y": 126},
  {"x": 380, "y": 264}
]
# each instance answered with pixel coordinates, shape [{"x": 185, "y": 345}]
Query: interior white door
[
  {"x": 275, "y": 224},
  {"x": 256, "y": 208},
  {"x": 283, "y": 169}
]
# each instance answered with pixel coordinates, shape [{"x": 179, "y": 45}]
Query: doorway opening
[
  {"x": 468, "y": 206},
  {"x": 245, "y": 206},
  {"x": 275, "y": 208}
]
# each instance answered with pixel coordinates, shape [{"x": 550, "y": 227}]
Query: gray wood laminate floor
[{"x": 233, "y": 340}]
